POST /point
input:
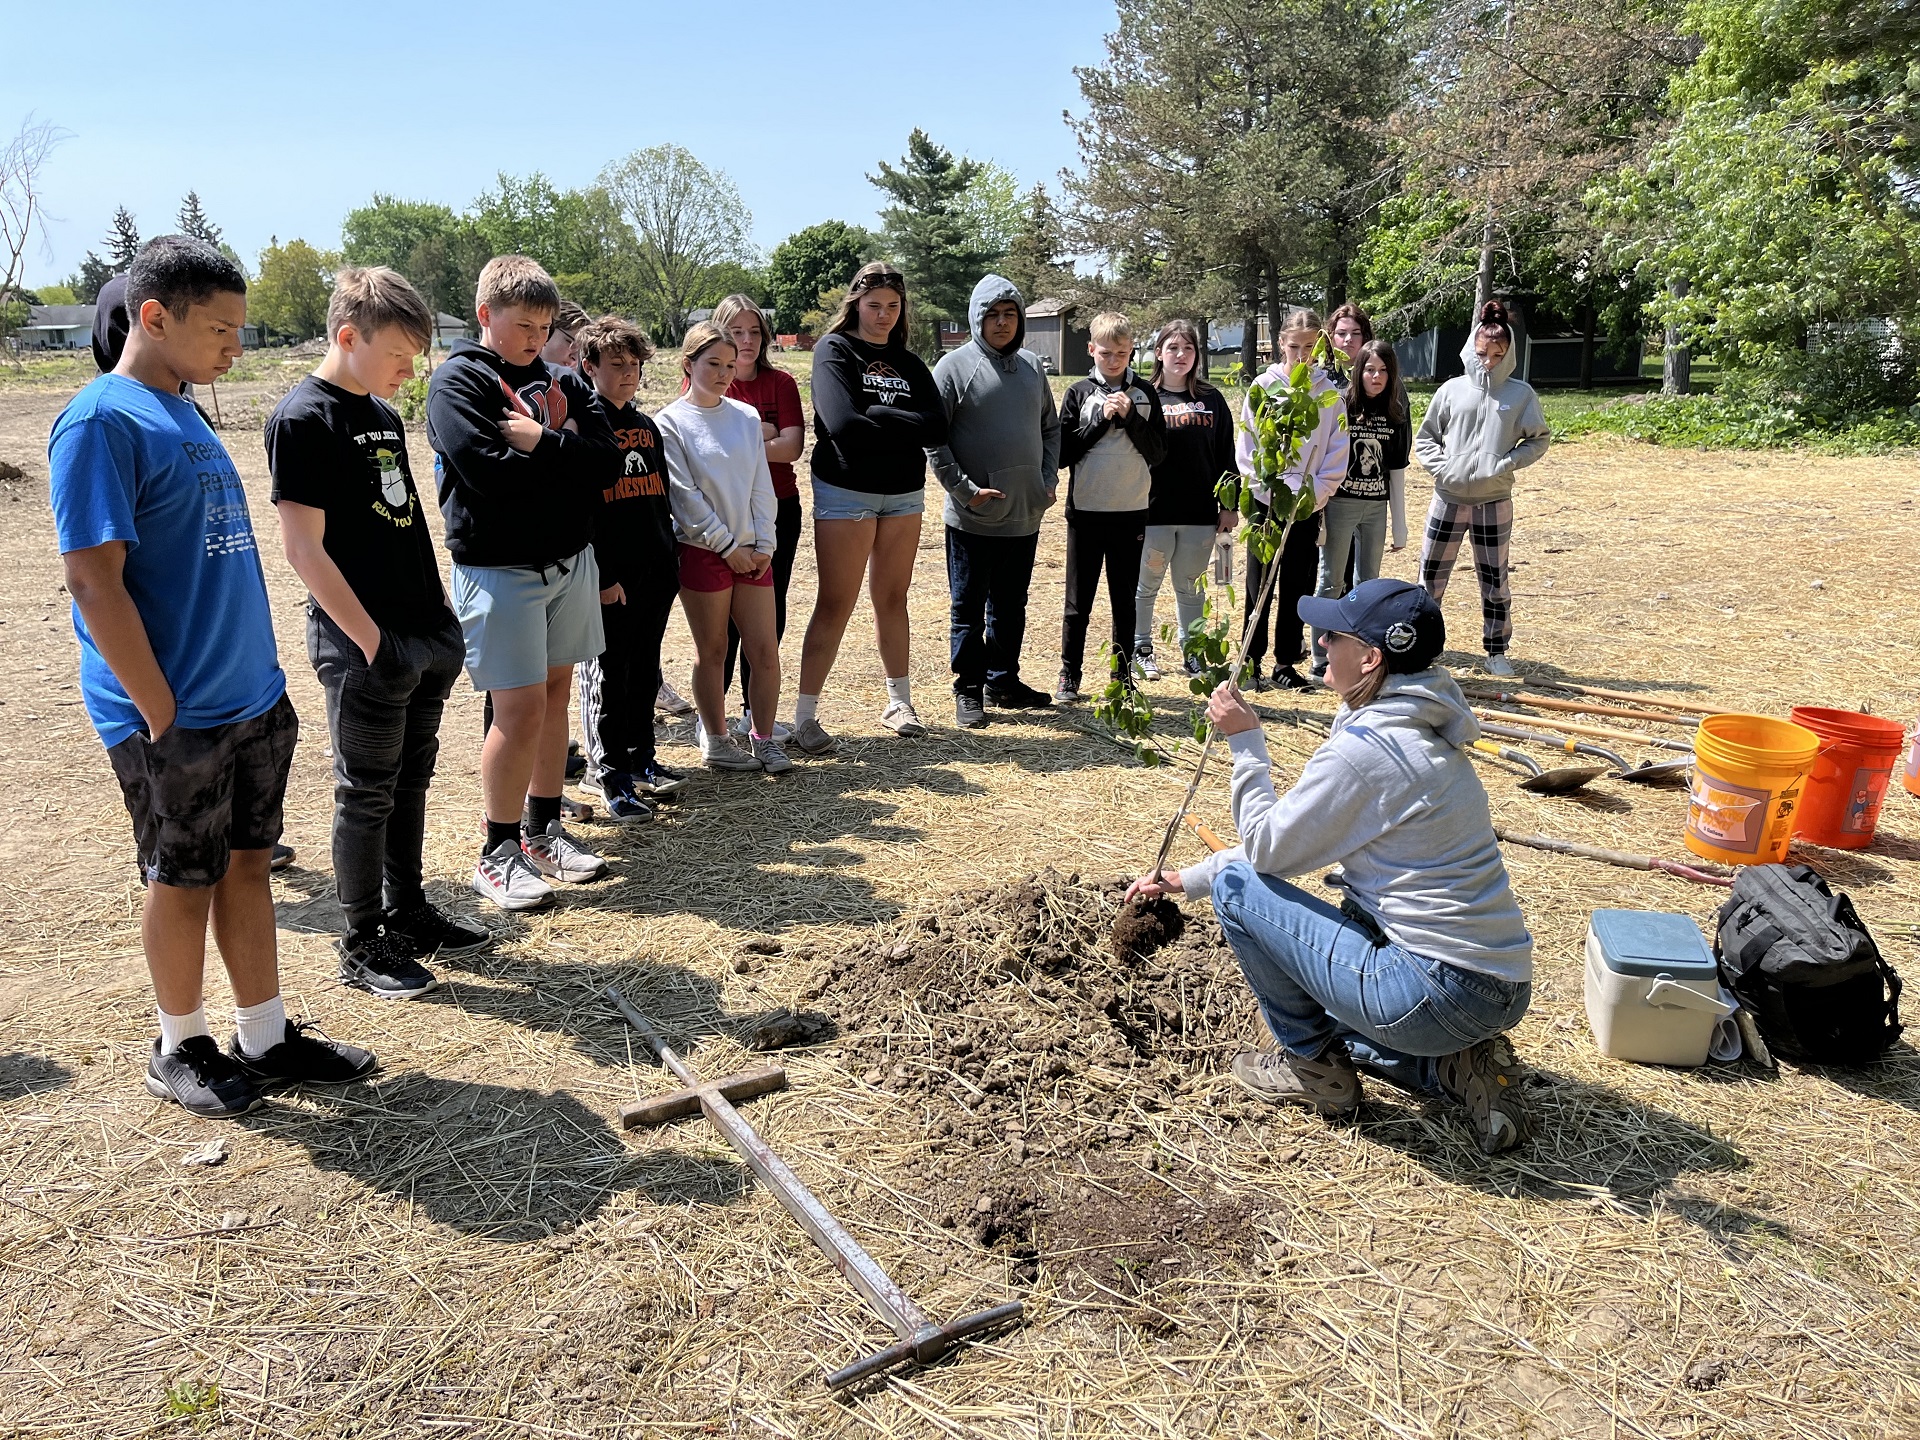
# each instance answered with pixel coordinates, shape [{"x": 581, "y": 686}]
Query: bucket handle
[{"x": 1669, "y": 994}]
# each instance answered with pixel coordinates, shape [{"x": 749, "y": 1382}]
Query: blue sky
[{"x": 285, "y": 116}]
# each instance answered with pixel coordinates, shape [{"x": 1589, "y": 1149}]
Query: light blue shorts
[
  {"x": 518, "y": 623},
  {"x": 835, "y": 502}
]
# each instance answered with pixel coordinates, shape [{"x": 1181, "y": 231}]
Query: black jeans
[
  {"x": 617, "y": 689},
  {"x": 1299, "y": 576},
  {"x": 987, "y": 578},
  {"x": 1096, "y": 538},
  {"x": 385, "y": 722},
  {"x": 786, "y": 545}
]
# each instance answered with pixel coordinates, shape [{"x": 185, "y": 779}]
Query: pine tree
[
  {"x": 1033, "y": 259},
  {"x": 193, "y": 221},
  {"x": 123, "y": 241},
  {"x": 928, "y": 233}
]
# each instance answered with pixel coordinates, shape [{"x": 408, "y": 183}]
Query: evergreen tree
[
  {"x": 1033, "y": 259},
  {"x": 810, "y": 262},
  {"x": 192, "y": 220},
  {"x": 123, "y": 241},
  {"x": 87, "y": 280},
  {"x": 928, "y": 233}
]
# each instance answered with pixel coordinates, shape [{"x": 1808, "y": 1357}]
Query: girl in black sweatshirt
[{"x": 875, "y": 413}]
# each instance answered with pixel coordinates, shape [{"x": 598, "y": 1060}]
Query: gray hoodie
[
  {"x": 1003, "y": 431},
  {"x": 1392, "y": 799},
  {"x": 1481, "y": 427}
]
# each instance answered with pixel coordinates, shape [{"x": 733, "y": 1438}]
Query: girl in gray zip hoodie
[
  {"x": 1426, "y": 963},
  {"x": 1481, "y": 428}
]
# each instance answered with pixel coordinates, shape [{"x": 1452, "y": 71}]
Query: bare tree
[
  {"x": 685, "y": 218},
  {"x": 22, "y": 161}
]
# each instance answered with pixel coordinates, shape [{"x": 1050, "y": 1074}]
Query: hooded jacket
[
  {"x": 1323, "y": 456},
  {"x": 1111, "y": 465},
  {"x": 1393, "y": 801},
  {"x": 1003, "y": 432},
  {"x": 1481, "y": 427}
]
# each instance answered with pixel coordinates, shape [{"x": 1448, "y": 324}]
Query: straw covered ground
[{"x": 981, "y": 1090}]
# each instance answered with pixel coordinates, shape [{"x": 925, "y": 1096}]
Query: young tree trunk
[
  {"x": 1250, "y": 331},
  {"x": 1588, "y": 323},
  {"x": 1676, "y": 370},
  {"x": 1276, "y": 311},
  {"x": 1483, "y": 282},
  {"x": 1336, "y": 285}
]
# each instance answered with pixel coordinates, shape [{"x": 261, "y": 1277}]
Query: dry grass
[{"x": 471, "y": 1247}]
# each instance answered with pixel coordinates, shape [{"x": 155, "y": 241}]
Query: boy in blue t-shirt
[{"x": 182, "y": 679}]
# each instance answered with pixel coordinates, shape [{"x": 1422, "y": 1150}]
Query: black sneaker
[
  {"x": 1066, "y": 690},
  {"x": 282, "y": 856},
  {"x": 305, "y": 1057},
  {"x": 423, "y": 931},
  {"x": 202, "y": 1079},
  {"x": 383, "y": 965},
  {"x": 1018, "y": 696},
  {"x": 657, "y": 782},
  {"x": 1285, "y": 677},
  {"x": 576, "y": 762}
]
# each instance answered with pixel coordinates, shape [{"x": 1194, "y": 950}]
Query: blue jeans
[
  {"x": 987, "y": 579},
  {"x": 1184, "y": 550},
  {"x": 1322, "y": 976},
  {"x": 1356, "y": 528}
]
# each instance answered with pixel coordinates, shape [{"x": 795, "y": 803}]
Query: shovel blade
[{"x": 1563, "y": 780}]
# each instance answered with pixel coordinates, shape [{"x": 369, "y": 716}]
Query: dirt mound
[{"x": 1010, "y": 1019}]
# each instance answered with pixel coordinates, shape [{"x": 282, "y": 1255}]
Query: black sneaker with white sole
[
  {"x": 305, "y": 1057},
  {"x": 425, "y": 931},
  {"x": 282, "y": 857},
  {"x": 383, "y": 965},
  {"x": 202, "y": 1079}
]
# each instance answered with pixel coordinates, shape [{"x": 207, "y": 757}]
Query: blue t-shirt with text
[{"x": 131, "y": 463}]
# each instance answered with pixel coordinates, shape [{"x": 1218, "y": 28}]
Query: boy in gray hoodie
[
  {"x": 1000, "y": 467},
  {"x": 1481, "y": 427}
]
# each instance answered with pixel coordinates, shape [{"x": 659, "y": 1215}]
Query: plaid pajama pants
[{"x": 1490, "y": 526}]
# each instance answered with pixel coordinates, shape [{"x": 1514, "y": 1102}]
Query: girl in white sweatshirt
[{"x": 723, "y": 513}]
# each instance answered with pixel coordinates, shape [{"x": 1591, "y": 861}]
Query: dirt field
[{"x": 471, "y": 1246}]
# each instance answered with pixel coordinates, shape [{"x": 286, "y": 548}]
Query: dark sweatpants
[
  {"x": 1096, "y": 538},
  {"x": 1299, "y": 566},
  {"x": 786, "y": 546},
  {"x": 987, "y": 578},
  {"x": 617, "y": 689}
]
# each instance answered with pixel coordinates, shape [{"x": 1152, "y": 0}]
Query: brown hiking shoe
[
  {"x": 1485, "y": 1078},
  {"x": 1329, "y": 1085}
]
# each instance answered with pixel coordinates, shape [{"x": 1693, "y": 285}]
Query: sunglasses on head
[{"x": 881, "y": 280}]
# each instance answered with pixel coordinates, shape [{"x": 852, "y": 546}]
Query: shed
[
  {"x": 1055, "y": 335},
  {"x": 447, "y": 329}
]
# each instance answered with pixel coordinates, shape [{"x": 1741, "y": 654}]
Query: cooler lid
[{"x": 1653, "y": 942}]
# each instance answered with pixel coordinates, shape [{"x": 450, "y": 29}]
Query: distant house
[
  {"x": 1056, "y": 335},
  {"x": 954, "y": 334},
  {"x": 1549, "y": 353},
  {"x": 447, "y": 329},
  {"x": 56, "y": 327}
]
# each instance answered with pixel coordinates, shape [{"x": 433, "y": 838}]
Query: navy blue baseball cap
[{"x": 1402, "y": 619}]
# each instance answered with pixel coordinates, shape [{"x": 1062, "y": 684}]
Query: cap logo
[{"x": 1400, "y": 637}]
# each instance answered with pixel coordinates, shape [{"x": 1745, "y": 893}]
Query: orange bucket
[
  {"x": 1748, "y": 771},
  {"x": 1912, "y": 778},
  {"x": 1849, "y": 777}
]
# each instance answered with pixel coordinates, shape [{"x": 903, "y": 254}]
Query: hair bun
[{"x": 1493, "y": 313}]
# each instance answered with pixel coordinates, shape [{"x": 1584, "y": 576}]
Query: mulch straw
[{"x": 471, "y": 1247}]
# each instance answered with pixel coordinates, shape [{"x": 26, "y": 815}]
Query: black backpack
[{"x": 1798, "y": 957}]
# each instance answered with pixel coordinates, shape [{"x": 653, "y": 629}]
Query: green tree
[
  {"x": 290, "y": 295},
  {"x": 809, "y": 262},
  {"x": 1035, "y": 255},
  {"x": 439, "y": 251},
  {"x": 87, "y": 280},
  {"x": 192, "y": 220},
  {"x": 123, "y": 240},
  {"x": 684, "y": 220},
  {"x": 931, "y": 234},
  {"x": 57, "y": 295},
  {"x": 994, "y": 210}
]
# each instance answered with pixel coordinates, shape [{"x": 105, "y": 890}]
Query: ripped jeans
[{"x": 1183, "y": 550}]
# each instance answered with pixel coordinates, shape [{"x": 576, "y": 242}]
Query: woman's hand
[
  {"x": 763, "y": 562},
  {"x": 1229, "y": 521},
  {"x": 1148, "y": 888},
  {"x": 614, "y": 594},
  {"x": 1227, "y": 708},
  {"x": 742, "y": 561},
  {"x": 768, "y": 432}
]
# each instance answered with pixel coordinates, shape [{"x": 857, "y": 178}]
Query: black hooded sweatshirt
[
  {"x": 633, "y": 540},
  {"x": 876, "y": 413},
  {"x": 505, "y": 508}
]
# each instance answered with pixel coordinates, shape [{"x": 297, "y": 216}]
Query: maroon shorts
[{"x": 707, "y": 572}]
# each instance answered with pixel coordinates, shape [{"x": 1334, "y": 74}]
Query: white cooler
[{"x": 1653, "y": 989}]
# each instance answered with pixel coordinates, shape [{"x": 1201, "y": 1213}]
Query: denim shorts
[
  {"x": 518, "y": 622},
  {"x": 834, "y": 502}
]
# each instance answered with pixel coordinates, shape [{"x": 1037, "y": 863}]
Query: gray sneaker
[
  {"x": 554, "y": 853},
  {"x": 738, "y": 727},
  {"x": 969, "y": 711},
  {"x": 1144, "y": 662},
  {"x": 901, "y": 718},
  {"x": 506, "y": 877},
  {"x": 1499, "y": 665},
  {"x": 1485, "y": 1078},
  {"x": 812, "y": 738},
  {"x": 1329, "y": 1085},
  {"x": 669, "y": 701},
  {"x": 718, "y": 752},
  {"x": 772, "y": 757}
]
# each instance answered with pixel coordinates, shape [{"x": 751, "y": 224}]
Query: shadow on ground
[{"x": 23, "y": 1074}]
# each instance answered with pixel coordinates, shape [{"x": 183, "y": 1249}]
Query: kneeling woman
[{"x": 1416, "y": 976}]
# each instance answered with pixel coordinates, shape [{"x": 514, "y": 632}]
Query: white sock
[
  {"x": 260, "y": 1027},
  {"x": 176, "y": 1030},
  {"x": 899, "y": 692},
  {"x": 805, "y": 708}
]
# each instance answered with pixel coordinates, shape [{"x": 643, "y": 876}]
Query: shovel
[
  {"x": 1645, "y": 772},
  {"x": 1641, "y": 774},
  {"x": 1562, "y": 781}
]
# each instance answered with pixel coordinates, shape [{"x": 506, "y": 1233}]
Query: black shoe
[
  {"x": 1285, "y": 677},
  {"x": 576, "y": 762},
  {"x": 1018, "y": 696},
  {"x": 421, "y": 931},
  {"x": 202, "y": 1079},
  {"x": 304, "y": 1058},
  {"x": 1193, "y": 664},
  {"x": 384, "y": 965},
  {"x": 657, "y": 782},
  {"x": 1257, "y": 680},
  {"x": 1066, "y": 690},
  {"x": 574, "y": 810},
  {"x": 282, "y": 856}
]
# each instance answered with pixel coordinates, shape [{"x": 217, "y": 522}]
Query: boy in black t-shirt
[
  {"x": 383, "y": 640},
  {"x": 633, "y": 544}
]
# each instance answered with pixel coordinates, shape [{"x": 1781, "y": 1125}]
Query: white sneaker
[
  {"x": 1144, "y": 662},
  {"x": 901, "y": 718},
  {"x": 772, "y": 758},
  {"x": 507, "y": 878},
  {"x": 811, "y": 736},
  {"x": 740, "y": 730},
  {"x": 555, "y": 853},
  {"x": 718, "y": 752},
  {"x": 1499, "y": 665},
  {"x": 670, "y": 702}
]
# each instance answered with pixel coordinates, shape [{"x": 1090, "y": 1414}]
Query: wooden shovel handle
[
  {"x": 1574, "y": 727},
  {"x": 1213, "y": 841},
  {"x": 1659, "y": 702},
  {"x": 1579, "y": 707}
]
